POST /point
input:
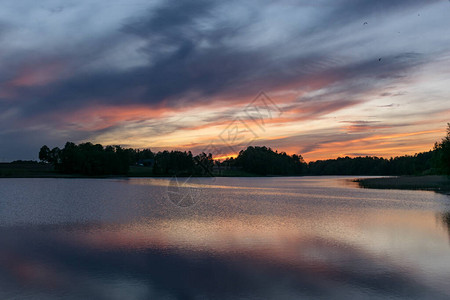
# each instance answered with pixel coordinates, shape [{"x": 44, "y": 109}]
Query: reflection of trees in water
[{"x": 445, "y": 218}]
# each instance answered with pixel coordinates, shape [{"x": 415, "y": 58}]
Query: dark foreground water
[{"x": 232, "y": 238}]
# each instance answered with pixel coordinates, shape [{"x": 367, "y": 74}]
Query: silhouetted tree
[
  {"x": 265, "y": 161},
  {"x": 44, "y": 154},
  {"x": 204, "y": 164},
  {"x": 174, "y": 163},
  {"x": 88, "y": 159},
  {"x": 442, "y": 153}
]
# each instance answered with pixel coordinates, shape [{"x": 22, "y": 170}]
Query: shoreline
[{"x": 436, "y": 183}]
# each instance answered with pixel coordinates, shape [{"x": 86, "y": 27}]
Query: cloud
[
  {"x": 175, "y": 56},
  {"x": 368, "y": 126},
  {"x": 189, "y": 59}
]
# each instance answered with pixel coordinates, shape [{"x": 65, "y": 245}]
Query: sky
[{"x": 318, "y": 78}]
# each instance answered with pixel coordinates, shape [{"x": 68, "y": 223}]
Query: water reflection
[
  {"x": 221, "y": 258},
  {"x": 445, "y": 219},
  {"x": 284, "y": 247}
]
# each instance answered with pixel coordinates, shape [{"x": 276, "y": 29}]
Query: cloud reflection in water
[{"x": 294, "y": 247}]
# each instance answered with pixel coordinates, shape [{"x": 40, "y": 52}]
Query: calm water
[{"x": 243, "y": 238}]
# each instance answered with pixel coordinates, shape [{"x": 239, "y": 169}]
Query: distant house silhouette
[{"x": 149, "y": 162}]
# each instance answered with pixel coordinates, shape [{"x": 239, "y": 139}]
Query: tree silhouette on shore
[{"x": 90, "y": 159}]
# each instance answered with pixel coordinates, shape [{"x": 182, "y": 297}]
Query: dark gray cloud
[{"x": 179, "y": 64}]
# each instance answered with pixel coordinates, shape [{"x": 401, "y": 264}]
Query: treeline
[
  {"x": 419, "y": 164},
  {"x": 183, "y": 163},
  {"x": 442, "y": 153},
  {"x": 265, "y": 161},
  {"x": 90, "y": 159},
  {"x": 97, "y": 160}
]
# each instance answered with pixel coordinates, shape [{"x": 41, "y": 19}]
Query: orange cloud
[
  {"x": 37, "y": 74},
  {"x": 380, "y": 145}
]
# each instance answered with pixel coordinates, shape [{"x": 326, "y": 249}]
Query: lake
[{"x": 220, "y": 238}]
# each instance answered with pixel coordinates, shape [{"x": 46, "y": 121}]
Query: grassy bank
[
  {"x": 430, "y": 183},
  {"x": 39, "y": 170},
  {"x": 34, "y": 170},
  {"x": 25, "y": 170}
]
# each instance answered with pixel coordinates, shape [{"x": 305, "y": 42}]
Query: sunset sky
[{"x": 318, "y": 78}]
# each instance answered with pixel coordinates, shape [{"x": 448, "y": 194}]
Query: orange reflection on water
[{"x": 286, "y": 240}]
